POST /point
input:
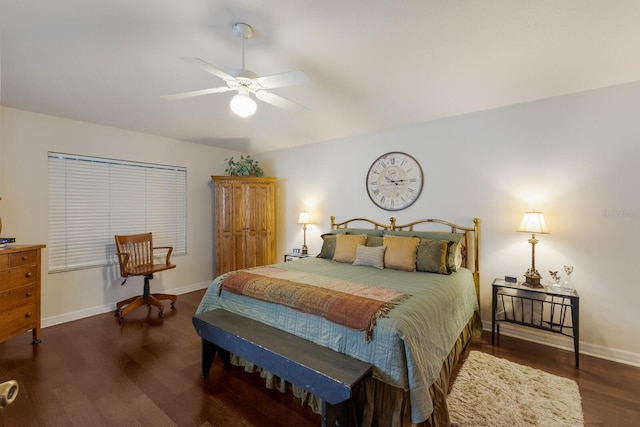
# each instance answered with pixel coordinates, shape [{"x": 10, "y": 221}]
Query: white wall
[
  {"x": 573, "y": 158},
  {"x": 26, "y": 139}
]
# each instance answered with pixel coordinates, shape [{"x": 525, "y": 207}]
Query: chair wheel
[
  {"x": 121, "y": 319},
  {"x": 117, "y": 312},
  {"x": 173, "y": 304},
  {"x": 160, "y": 313}
]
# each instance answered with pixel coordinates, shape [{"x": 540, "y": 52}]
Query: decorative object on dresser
[
  {"x": 136, "y": 256},
  {"x": 394, "y": 181},
  {"x": 6, "y": 240},
  {"x": 304, "y": 220},
  {"x": 244, "y": 222},
  {"x": 20, "y": 291},
  {"x": 533, "y": 222}
]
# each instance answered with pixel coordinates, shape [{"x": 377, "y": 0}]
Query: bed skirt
[{"x": 377, "y": 404}]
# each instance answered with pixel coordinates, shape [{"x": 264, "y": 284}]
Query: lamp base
[
  {"x": 532, "y": 279},
  {"x": 305, "y": 251}
]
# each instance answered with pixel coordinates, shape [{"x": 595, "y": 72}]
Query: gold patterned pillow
[
  {"x": 401, "y": 252},
  {"x": 346, "y": 247}
]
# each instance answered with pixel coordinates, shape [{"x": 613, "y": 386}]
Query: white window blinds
[{"x": 92, "y": 199}]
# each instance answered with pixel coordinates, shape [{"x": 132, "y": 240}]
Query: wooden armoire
[{"x": 244, "y": 222}]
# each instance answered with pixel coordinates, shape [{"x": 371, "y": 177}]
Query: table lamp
[
  {"x": 533, "y": 222},
  {"x": 304, "y": 220}
]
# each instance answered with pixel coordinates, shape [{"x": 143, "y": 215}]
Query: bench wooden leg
[
  {"x": 209, "y": 351},
  {"x": 335, "y": 415}
]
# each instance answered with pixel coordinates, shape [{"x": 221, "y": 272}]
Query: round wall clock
[{"x": 394, "y": 181}]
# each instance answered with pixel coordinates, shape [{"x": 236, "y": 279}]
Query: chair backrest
[{"x": 134, "y": 251}]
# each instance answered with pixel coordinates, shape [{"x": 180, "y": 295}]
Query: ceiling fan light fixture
[{"x": 242, "y": 105}]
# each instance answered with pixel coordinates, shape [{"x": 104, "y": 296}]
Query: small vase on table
[{"x": 567, "y": 286}]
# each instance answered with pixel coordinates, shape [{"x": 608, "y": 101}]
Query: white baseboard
[
  {"x": 92, "y": 311},
  {"x": 566, "y": 343}
]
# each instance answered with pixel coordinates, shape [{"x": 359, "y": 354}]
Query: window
[{"x": 92, "y": 199}]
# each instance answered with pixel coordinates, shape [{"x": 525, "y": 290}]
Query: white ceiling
[{"x": 374, "y": 64}]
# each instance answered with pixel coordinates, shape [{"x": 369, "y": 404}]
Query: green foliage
[{"x": 246, "y": 166}]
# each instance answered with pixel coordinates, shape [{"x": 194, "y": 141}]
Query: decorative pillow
[
  {"x": 371, "y": 256},
  {"x": 328, "y": 246},
  {"x": 374, "y": 240},
  {"x": 401, "y": 252},
  {"x": 454, "y": 254},
  {"x": 346, "y": 247},
  {"x": 457, "y": 258},
  {"x": 432, "y": 256}
]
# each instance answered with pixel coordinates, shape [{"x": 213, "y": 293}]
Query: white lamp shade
[
  {"x": 304, "y": 218},
  {"x": 243, "y": 105},
  {"x": 533, "y": 222}
]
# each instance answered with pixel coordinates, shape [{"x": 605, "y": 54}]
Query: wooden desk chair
[{"x": 135, "y": 253}]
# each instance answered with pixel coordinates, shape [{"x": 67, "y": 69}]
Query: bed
[{"x": 425, "y": 310}]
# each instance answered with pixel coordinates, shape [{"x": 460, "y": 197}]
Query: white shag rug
[{"x": 489, "y": 391}]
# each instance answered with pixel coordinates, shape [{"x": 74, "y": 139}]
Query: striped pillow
[{"x": 370, "y": 256}]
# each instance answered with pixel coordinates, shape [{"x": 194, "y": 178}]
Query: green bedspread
[{"x": 408, "y": 346}]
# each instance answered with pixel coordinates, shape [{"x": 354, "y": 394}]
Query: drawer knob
[
  {"x": 28, "y": 314},
  {"x": 28, "y": 294},
  {"x": 29, "y": 274},
  {"x": 24, "y": 258}
]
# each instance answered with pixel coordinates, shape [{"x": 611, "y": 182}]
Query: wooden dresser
[
  {"x": 244, "y": 224},
  {"x": 20, "y": 291}
]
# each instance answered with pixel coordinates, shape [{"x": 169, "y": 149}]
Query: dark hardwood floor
[{"x": 146, "y": 371}]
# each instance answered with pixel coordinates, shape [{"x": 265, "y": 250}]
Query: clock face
[{"x": 394, "y": 181}]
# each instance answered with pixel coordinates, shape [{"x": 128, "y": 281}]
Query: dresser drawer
[
  {"x": 22, "y": 258},
  {"x": 16, "y": 276},
  {"x": 17, "y": 320},
  {"x": 18, "y": 296},
  {"x": 20, "y": 291}
]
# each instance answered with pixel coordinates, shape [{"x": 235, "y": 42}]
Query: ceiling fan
[{"x": 247, "y": 82}]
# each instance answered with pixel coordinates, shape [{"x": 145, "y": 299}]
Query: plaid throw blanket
[{"x": 354, "y": 305}]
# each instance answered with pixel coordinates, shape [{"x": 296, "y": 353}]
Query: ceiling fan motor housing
[{"x": 243, "y": 30}]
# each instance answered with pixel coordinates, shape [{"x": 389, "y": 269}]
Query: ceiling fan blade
[
  {"x": 278, "y": 101},
  {"x": 204, "y": 65},
  {"x": 290, "y": 78},
  {"x": 197, "y": 93}
]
